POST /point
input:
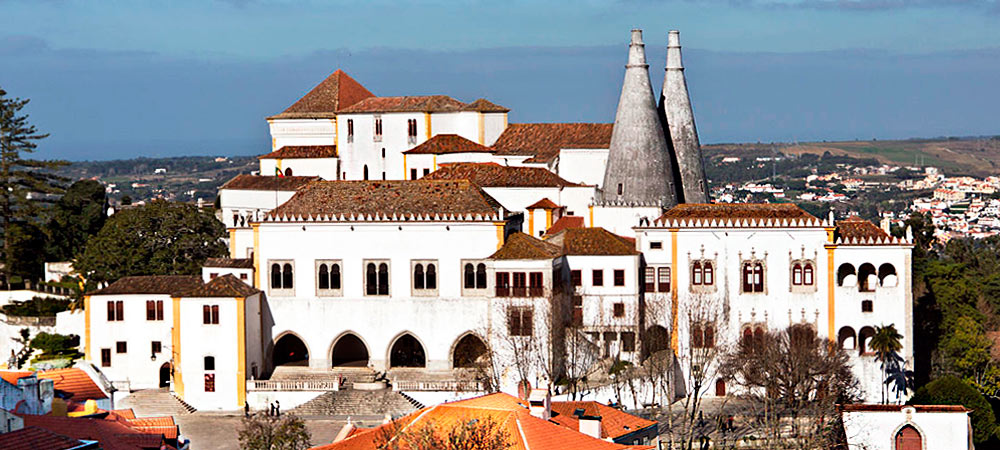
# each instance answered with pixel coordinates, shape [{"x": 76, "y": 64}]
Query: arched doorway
[
  {"x": 908, "y": 438},
  {"x": 165, "y": 375},
  {"x": 656, "y": 339},
  {"x": 467, "y": 351},
  {"x": 349, "y": 351},
  {"x": 290, "y": 351},
  {"x": 407, "y": 352}
]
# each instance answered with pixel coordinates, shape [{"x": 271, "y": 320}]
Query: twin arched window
[
  {"x": 753, "y": 276},
  {"x": 475, "y": 277},
  {"x": 702, "y": 273},
  {"x": 328, "y": 276},
  {"x": 702, "y": 336},
  {"x": 803, "y": 274},
  {"x": 424, "y": 277},
  {"x": 376, "y": 279},
  {"x": 281, "y": 276}
]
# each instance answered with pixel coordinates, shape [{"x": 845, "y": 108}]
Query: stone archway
[
  {"x": 407, "y": 351},
  {"x": 349, "y": 351},
  {"x": 165, "y": 374},
  {"x": 289, "y": 350},
  {"x": 468, "y": 350}
]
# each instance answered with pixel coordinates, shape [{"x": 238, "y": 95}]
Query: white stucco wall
[
  {"x": 301, "y": 132},
  {"x": 135, "y": 366},
  {"x": 581, "y": 165},
  {"x": 876, "y": 430}
]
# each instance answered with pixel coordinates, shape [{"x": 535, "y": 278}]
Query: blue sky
[{"x": 114, "y": 79}]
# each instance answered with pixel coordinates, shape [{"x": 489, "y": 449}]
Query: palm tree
[{"x": 886, "y": 343}]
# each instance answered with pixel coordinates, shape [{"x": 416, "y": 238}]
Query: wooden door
[{"x": 908, "y": 438}]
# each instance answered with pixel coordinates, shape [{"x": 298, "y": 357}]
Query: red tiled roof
[
  {"x": 522, "y": 430},
  {"x": 112, "y": 433},
  {"x": 565, "y": 222},
  {"x": 592, "y": 241},
  {"x": 401, "y": 198},
  {"x": 225, "y": 286},
  {"x": 267, "y": 183},
  {"x": 855, "y": 230},
  {"x": 302, "y": 151},
  {"x": 614, "y": 423},
  {"x": 150, "y": 284},
  {"x": 336, "y": 92},
  {"x": 448, "y": 143},
  {"x": 11, "y": 376},
  {"x": 690, "y": 211},
  {"x": 484, "y": 106},
  {"x": 154, "y": 425},
  {"x": 416, "y": 103},
  {"x": 542, "y": 141},
  {"x": 229, "y": 263},
  {"x": 544, "y": 203},
  {"x": 897, "y": 408},
  {"x": 523, "y": 246},
  {"x": 34, "y": 438},
  {"x": 75, "y": 382},
  {"x": 495, "y": 175}
]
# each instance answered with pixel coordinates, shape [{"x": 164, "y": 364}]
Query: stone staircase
[
  {"x": 359, "y": 403},
  {"x": 155, "y": 402},
  {"x": 350, "y": 375}
]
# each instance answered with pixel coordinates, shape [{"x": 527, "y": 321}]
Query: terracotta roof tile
[
  {"x": 857, "y": 230},
  {"x": 302, "y": 151},
  {"x": 485, "y": 106},
  {"x": 34, "y": 438},
  {"x": 150, "y": 284},
  {"x": 614, "y": 423},
  {"x": 523, "y": 246},
  {"x": 736, "y": 211},
  {"x": 591, "y": 241},
  {"x": 421, "y": 103},
  {"x": 267, "y": 183},
  {"x": 387, "y": 198},
  {"x": 336, "y": 92},
  {"x": 75, "y": 382},
  {"x": 154, "y": 425},
  {"x": 112, "y": 433},
  {"x": 544, "y": 203},
  {"x": 495, "y": 175},
  {"x": 225, "y": 286},
  {"x": 12, "y": 376},
  {"x": 542, "y": 141},
  {"x": 448, "y": 143},
  {"x": 229, "y": 263},
  {"x": 565, "y": 222}
]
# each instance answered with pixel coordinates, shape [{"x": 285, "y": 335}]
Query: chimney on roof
[
  {"x": 885, "y": 224},
  {"x": 639, "y": 170},
  {"x": 591, "y": 426},
  {"x": 540, "y": 404},
  {"x": 677, "y": 118}
]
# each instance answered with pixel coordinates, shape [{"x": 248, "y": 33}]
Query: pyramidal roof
[
  {"x": 639, "y": 170},
  {"x": 336, "y": 92},
  {"x": 678, "y": 126}
]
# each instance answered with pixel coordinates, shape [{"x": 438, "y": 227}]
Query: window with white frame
[
  {"x": 376, "y": 277},
  {"x": 329, "y": 278},
  {"x": 702, "y": 275},
  {"x": 473, "y": 277},
  {"x": 424, "y": 280},
  {"x": 282, "y": 277}
]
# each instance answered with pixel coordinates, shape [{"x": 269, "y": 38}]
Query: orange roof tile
[
  {"x": 415, "y": 103},
  {"x": 614, "y": 423},
  {"x": 544, "y": 203},
  {"x": 690, "y": 211},
  {"x": 495, "y": 175},
  {"x": 592, "y": 241},
  {"x": 334, "y": 93},
  {"x": 542, "y": 141},
  {"x": 227, "y": 286},
  {"x": 485, "y": 106},
  {"x": 302, "y": 151},
  {"x": 34, "y": 438},
  {"x": 565, "y": 222},
  {"x": 855, "y": 230},
  {"x": 448, "y": 143},
  {"x": 12, "y": 376},
  {"x": 267, "y": 183},
  {"x": 523, "y": 246},
  {"x": 110, "y": 432},
  {"x": 75, "y": 382}
]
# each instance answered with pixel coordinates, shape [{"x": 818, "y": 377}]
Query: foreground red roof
[
  {"x": 565, "y": 222},
  {"x": 112, "y": 433},
  {"x": 34, "y": 438},
  {"x": 75, "y": 382},
  {"x": 11, "y": 376},
  {"x": 614, "y": 422}
]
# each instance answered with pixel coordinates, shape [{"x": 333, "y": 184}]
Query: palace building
[{"x": 424, "y": 239}]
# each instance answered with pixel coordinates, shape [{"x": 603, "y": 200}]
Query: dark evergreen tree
[{"x": 77, "y": 216}]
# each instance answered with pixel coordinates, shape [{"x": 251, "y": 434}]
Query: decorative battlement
[
  {"x": 734, "y": 223},
  {"x": 384, "y": 218}
]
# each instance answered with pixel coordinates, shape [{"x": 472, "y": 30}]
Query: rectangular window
[
  {"x": 535, "y": 287},
  {"x": 619, "y": 309},
  {"x": 427, "y": 171},
  {"x": 663, "y": 279},
  {"x": 121, "y": 347},
  {"x": 243, "y": 276},
  {"x": 503, "y": 284},
  {"x": 413, "y": 174},
  {"x": 577, "y": 277},
  {"x": 650, "y": 279},
  {"x": 350, "y": 130},
  {"x": 519, "y": 321},
  {"x": 105, "y": 357},
  {"x": 598, "y": 277},
  {"x": 215, "y": 314},
  {"x": 210, "y": 314},
  {"x": 209, "y": 382},
  {"x": 157, "y": 347},
  {"x": 154, "y": 309},
  {"x": 213, "y": 276},
  {"x": 119, "y": 310},
  {"x": 520, "y": 284},
  {"x": 159, "y": 310},
  {"x": 628, "y": 341},
  {"x": 619, "y": 277},
  {"x": 655, "y": 245},
  {"x": 111, "y": 311},
  {"x": 378, "y": 128}
]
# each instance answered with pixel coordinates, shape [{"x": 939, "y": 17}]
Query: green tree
[
  {"x": 78, "y": 215},
  {"x": 886, "y": 343},
  {"x": 159, "y": 238},
  {"x": 950, "y": 390},
  {"x": 263, "y": 432},
  {"x": 54, "y": 345},
  {"x": 20, "y": 176},
  {"x": 967, "y": 350}
]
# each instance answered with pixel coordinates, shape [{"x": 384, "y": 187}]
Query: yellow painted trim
[
  {"x": 405, "y": 171},
  {"x": 427, "y": 123},
  {"x": 241, "y": 351},
  {"x": 673, "y": 290},
  {"x": 435, "y": 163},
  {"x": 591, "y": 211},
  {"x": 87, "y": 352},
  {"x": 830, "y": 303},
  {"x": 175, "y": 347},
  {"x": 256, "y": 254},
  {"x": 277, "y": 163},
  {"x": 482, "y": 129},
  {"x": 499, "y": 235},
  {"x": 505, "y": 121},
  {"x": 531, "y": 222},
  {"x": 232, "y": 243},
  {"x": 548, "y": 219},
  {"x": 274, "y": 141}
]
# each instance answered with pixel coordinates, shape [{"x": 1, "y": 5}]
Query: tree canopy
[
  {"x": 950, "y": 390},
  {"x": 159, "y": 238},
  {"x": 78, "y": 215}
]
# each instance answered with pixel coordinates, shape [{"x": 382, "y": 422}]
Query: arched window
[
  {"x": 864, "y": 339},
  {"x": 418, "y": 276},
  {"x": 288, "y": 172},
  {"x": 335, "y": 276},
  {"x": 887, "y": 275},
  {"x": 275, "y": 276},
  {"x": 470, "y": 276},
  {"x": 747, "y": 335},
  {"x": 383, "y": 279},
  {"x": 797, "y": 274},
  {"x": 366, "y": 172},
  {"x": 709, "y": 336},
  {"x": 371, "y": 280},
  {"x": 481, "y": 276},
  {"x": 747, "y": 277},
  {"x": 431, "y": 281},
  {"x": 846, "y": 338},
  {"x": 709, "y": 274},
  {"x": 324, "y": 277},
  {"x": 908, "y": 438},
  {"x": 758, "y": 277},
  {"x": 286, "y": 276},
  {"x": 696, "y": 273},
  {"x": 696, "y": 336},
  {"x": 846, "y": 275},
  {"x": 807, "y": 275},
  {"x": 867, "y": 278},
  {"x": 758, "y": 338}
]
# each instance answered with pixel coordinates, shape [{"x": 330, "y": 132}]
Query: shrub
[
  {"x": 36, "y": 307},
  {"x": 951, "y": 390}
]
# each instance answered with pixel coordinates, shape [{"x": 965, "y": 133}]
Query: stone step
[
  {"x": 358, "y": 403},
  {"x": 155, "y": 402}
]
